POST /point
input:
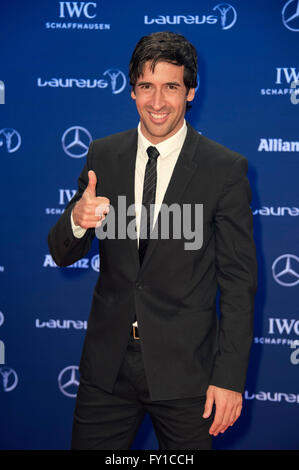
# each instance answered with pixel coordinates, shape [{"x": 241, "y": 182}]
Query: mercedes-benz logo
[
  {"x": 290, "y": 15},
  {"x": 76, "y": 141},
  {"x": 95, "y": 263},
  {"x": 228, "y": 15},
  {"x": 11, "y": 139},
  {"x": 9, "y": 378},
  {"x": 68, "y": 381},
  {"x": 285, "y": 270},
  {"x": 118, "y": 80}
]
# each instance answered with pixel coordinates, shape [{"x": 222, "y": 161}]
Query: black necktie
[{"x": 149, "y": 195}]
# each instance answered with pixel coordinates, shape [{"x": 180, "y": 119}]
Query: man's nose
[{"x": 158, "y": 100}]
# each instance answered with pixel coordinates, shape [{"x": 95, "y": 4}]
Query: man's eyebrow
[
  {"x": 143, "y": 83},
  {"x": 173, "y": 83},
  {"x": 167, "y": 83}
]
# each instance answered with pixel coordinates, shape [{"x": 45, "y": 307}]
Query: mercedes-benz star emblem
[
  {"x": 290, "y": 15},
  {"x": 68, "y": 381},
  {"x": 285, "y": 270},
  {"x": 76, "y": 141}
]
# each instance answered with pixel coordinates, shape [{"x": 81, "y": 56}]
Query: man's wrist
[{"x": 78, "y": 231}]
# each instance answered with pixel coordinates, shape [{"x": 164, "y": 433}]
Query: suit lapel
[
  {"x": 182, "y": 174},
  {"x": 126, "y": 166}
]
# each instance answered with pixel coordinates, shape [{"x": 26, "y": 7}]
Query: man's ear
[
  {"x": 133, "y": 96},
  {"x": 191, "y": 94}
]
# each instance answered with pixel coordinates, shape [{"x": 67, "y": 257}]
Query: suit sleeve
[
  {"x": 64, "y": 247},
  {"x": 237, "y": 279}
]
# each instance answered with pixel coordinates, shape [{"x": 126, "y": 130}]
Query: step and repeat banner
[{"x": 63, "y": 83}]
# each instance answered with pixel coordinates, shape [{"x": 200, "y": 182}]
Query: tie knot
[{"x": 153, "y": 153}]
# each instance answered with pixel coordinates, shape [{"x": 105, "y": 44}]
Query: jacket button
[{"x": 139, "y": 286}]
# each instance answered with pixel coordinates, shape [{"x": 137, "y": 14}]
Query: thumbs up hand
[
  {"x": 90, "y": 191},
  {"x": 90, "y": 210}
]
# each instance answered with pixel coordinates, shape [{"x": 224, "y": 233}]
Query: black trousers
[{"x": 110, "y": 421}]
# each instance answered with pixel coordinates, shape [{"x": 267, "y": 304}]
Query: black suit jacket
[{"x": 173, "y": 294}]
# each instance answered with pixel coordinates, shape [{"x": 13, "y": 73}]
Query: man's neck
[{"x": 179, "y": 131}]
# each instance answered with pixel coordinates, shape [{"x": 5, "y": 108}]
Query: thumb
[
  {"x": 92, "y": 181},
  {"x": 208, "y": 405}
]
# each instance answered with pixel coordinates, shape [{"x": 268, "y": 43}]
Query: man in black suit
[{"x": 154, "y": 342}]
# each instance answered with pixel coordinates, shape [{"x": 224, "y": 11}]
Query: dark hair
[{"x": 164, "y": 46}]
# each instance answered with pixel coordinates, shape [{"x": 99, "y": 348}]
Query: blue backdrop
[{"x": 64, "y": 82}]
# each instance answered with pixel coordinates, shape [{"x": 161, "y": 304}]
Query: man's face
[{"x": 161, "y": 98}]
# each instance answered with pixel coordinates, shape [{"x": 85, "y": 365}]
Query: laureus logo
[
  {"x": 228, "y": 15},
  {"x": 118, "y": 80},
  {"x": 10, "y": 140},
  {"x": 225, "y": 15}
]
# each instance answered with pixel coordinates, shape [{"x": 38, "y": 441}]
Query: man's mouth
[{"x": 158, "y": 117}]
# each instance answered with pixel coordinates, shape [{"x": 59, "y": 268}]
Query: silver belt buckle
[{"x": 134, "y": 332}]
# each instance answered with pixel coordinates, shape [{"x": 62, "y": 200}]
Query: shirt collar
[{"x": 166, "y": 147}]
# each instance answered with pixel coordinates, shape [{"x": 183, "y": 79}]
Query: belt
[{"x": 134, "y": 332}]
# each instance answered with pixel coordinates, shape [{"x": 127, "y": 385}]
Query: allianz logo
[
  {"x": 277, "y": 397},
  {"x": 276, "y": 211},
  {"x": 83, "y": 263},
  {"x": 50, "y": 263},
  {"x": 61, "y": 324},
  {"x": 277, "y": 145}
]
